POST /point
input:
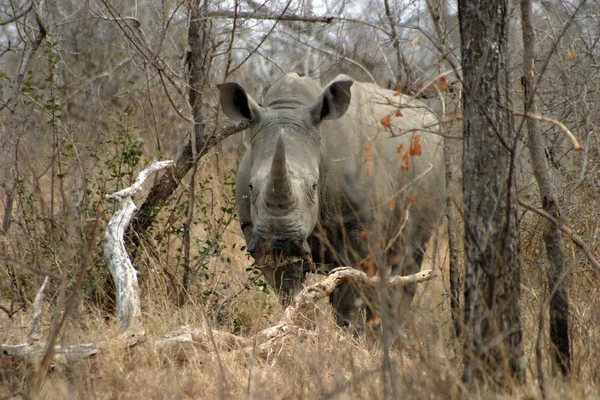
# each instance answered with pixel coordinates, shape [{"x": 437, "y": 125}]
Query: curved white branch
[
  {"x": 34, "y": 333},
  {"x": 137, "y": 185},
  {"x": 124, "y": 275}
]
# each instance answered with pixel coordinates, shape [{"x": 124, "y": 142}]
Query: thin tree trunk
[
  {"x": 197, "y": 60},
  {"x": 493, "y": 335},
  {"x": 438, "y": 13},
  {"x": 559, "y": 303},
  {"x": 453, "y": 248}
]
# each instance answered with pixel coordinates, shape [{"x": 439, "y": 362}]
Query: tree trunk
[
  {"x": 438, "y": 12},
  {"x": 493, "y": 336},
  {"x": 559, "y": 304}
]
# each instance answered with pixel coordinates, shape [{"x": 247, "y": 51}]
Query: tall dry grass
[{"x": 426, "y": 359}]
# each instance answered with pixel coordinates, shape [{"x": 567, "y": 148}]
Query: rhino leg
[
  {"x": 360, "y": 310},
  {"x": 351, "y": 308},
  {"x": 285, "y": 279}
]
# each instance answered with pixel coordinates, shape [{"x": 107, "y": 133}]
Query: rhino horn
[{"x": 278, "y": 193}]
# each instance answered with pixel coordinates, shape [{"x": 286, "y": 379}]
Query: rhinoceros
[{"x": 351, "y": 174}]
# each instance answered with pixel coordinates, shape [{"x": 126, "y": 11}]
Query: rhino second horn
[{"x": 278, "y": 193}]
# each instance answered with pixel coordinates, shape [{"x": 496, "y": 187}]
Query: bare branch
[
  {"x": 272, "y": 16},
  {"x": 18, "y": 16},
  {"x": 559, "y": 124},
  {"x": 277, "y": 16},
  {"x": 575, "y": 238},
  {"x": 264, "y": 343},
  {"x": 271, "y": 340},
  {"x": 31, "y": 353}
]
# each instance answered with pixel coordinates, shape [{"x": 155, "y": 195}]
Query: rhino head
[{"x": 285, "y": 161}]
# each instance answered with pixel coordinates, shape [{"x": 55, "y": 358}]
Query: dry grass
[{"x": 425, "y": 360}]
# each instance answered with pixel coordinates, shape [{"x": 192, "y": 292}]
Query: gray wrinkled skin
[{"x": 324, "y": 180}]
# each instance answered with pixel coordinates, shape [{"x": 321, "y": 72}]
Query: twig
[
  {"x": 575, "y": 238},
  {"x": 559, "y": 124},
  {"x": 16, "y": 17},
  {"x": 64, "y": 308},
  {"x": 166, "y": 185},
  {"x": 275, "y": 16}
]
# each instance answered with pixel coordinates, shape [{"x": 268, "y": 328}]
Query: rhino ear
[
  {"x": 334, "y": 101},
  {"x": 237, "y": 104}
]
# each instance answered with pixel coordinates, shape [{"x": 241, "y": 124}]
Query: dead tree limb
[
  {"x": 533, "y": 115},
  {"x": 272, "y": 16},
  {"x": 34, "y": 332},
  {"x": 121, "y": 268}
]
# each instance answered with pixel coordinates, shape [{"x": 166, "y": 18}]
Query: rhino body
[{"x": 347, "y": 175}]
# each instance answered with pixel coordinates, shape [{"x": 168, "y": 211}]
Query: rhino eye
[
  {"x": 250, "y": 186},
  {"x": 314, "y": 186}
]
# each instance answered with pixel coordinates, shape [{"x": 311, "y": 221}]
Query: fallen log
[{"x": 272, "y": 340}]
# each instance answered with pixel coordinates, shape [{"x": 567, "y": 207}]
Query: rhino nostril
[{"x": 251, "y": 247}]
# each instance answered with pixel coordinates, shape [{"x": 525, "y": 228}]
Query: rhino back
[{"x": 373, "y": 169}]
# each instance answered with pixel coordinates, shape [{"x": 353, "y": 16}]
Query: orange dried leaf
[
  {"x": 443, "y": 84},
  {"x": 431, "y": 87},
  {"x": 399, "y": 148},
  {"x": 405, "y": 162},
  {"x": 368, "y": 268},
  {"x": 572, "y": 54},
  {"x": 398, "y": 113},
  {"x": 427, "y": 197},
  {"x": 410, "y": 199},
  {"x": 419, "y": 86},
  {"x": 385, "y": 121},
  {"x": 398, "y": 91},
  {"x": 392, "y": 205},
  {"x": 390, "y": 102},
  {"x": 415, "y": 146},
  {"x": 415, "y": 41},
  {"x": 365, "y": 234},
  {"x": 368, "y": 173},
  {"x": 375, "y": 321}
]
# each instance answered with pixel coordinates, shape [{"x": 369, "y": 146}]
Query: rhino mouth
[
  {"x": 282, "y": 260},
  {"x": 280, "y": 252}
]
